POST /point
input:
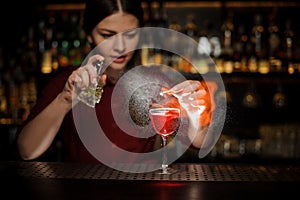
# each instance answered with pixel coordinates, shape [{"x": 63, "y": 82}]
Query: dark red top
[
  {"x": 122, "y": 115},
  {"x": 74, "y": 149}
]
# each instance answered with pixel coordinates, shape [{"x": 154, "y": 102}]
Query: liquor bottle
[
  {"x": 258, "y": 35},
  {"x": 227, "y": 29},
  {"x": 156, "y": 15},
  {"x": 209, "y": 46},
  {"x": 258, "y": 41},
  {"x": 288, "y": 40},
  {"x": 32, "y": 91},
  {"x": 62, "y": 35},
  {"x": 288, "y": 47},
  {"x": 75, "y": 53},
  {"x": 274, "y": 42},
  {"x": 14, "y": 102},
  {"x": 172, "y": 43},
  {"x": 44, "y": 35},
  {"x": 30, "y": 53},
  {"x": 273, "y": 37},
  {"x": 24, "y": 106},
  {"x": 54, "y": 55},
  {"x": 240, "y": 49},
  {"x": 3, "y": 100},
  {"x": 190, "y": 27},
  {"x": 174, "y": 24}
]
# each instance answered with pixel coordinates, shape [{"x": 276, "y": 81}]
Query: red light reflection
[{"x": 169, "y": 184}]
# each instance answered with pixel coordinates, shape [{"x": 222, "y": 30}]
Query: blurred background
[{"x": 254, "y": 44}]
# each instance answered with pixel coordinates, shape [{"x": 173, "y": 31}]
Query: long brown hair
[{"x": 96, "y": 10}]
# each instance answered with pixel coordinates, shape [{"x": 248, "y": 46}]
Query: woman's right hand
[
  {"x": 81, "y": 78},
  {"x": 31, "y": 143}
]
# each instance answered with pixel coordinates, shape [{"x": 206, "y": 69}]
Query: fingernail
[{"x": 78, "y": 79}]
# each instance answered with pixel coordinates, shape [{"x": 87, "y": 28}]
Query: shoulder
[
  {"x": 56, "y": 83},
  {"x": 60, "y": 78},
  {"x": 66, "y": 72}
]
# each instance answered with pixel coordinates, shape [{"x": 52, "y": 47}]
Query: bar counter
[{"x": 55, "y": 180}]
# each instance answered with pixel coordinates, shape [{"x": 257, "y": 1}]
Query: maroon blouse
[{"x": 74, "y": 148}]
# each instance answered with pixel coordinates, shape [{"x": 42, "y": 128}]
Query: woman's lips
[{"x": 120, "y": 59}]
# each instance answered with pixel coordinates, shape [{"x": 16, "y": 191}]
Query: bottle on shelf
[
  {"x": 172, "y": 42},
  {"x": 155, "y": 16},
  {"x": 258, "y": 35},
  {"x": 174, "y": 24},
  {"x": 240, "y": 49},
  {"x": 209, "y": 45},
  {"x": 274, "y": 43},
  {"x": 75, "y": 52},
  {"x": 258, "y": 40},
  {"x": 3, "y": 100},
  {"x": 24, "y": 106},
  {"x": 45, "y": 36},
  {"x": 288, "y": 47},
  {"x": 14, "y": 101},
  {"x": 280, "y": 100},
  {"x": 190, "y": 27},
  {"x": 29, "y": 55},
  {"x": 227, "y": 29}
]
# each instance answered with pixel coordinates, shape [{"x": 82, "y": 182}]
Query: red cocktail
[{"x": 165, "y": 121}]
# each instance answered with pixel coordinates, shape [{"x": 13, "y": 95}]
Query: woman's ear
[{"x": 90, "y": 39}]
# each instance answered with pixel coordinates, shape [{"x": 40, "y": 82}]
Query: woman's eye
[
  {"x": 106, "y": 35},
  {"x": 131, "y": 34}
]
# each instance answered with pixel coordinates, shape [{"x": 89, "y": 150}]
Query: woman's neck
[{"x": 113, "y": 75}]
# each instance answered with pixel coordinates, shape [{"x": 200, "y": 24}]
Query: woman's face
[{"x": 117, "y": 50}]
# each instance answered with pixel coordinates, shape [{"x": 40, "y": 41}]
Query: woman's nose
[{"x": 119, "y": 45}]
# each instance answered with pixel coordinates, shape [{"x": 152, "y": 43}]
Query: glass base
[{"x": 167, "y": 170}]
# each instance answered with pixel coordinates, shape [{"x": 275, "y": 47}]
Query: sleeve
[
  {"x": 48, "y": 94},
  {"x": 206, "y": 116}
]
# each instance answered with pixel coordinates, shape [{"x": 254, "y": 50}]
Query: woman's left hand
[{"x": 197, "y": 100}]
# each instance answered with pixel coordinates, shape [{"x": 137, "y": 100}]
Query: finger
[
  {"x": 74, "y": 80},
  {"x": 95, "y": 58},
  {"x": 103, "y": 79},
  {"x": 197, "y": 95},
  {"x": 187, "y": 86},
  {"x": 198, "y": 102},
  {"x": 97, "y": 61},
  {"x": 91, "y": 74},
  {"x": 211, "y": 86},
  {"x": 82, "y": 78},
  {"x": 70, "y": 82}
]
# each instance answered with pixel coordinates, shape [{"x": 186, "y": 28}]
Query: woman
[{"x": 52, "y": 114}]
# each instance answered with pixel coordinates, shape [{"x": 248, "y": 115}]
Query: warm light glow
[{"x": 169, "y": 184}]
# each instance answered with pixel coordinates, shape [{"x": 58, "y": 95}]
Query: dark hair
[{"x": 96, "y": 10}]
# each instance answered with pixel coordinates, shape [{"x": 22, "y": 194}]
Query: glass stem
[{"x": 164, "y": 157}]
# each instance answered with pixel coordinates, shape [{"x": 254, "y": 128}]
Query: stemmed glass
[{"x": 165, "y": 121}]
